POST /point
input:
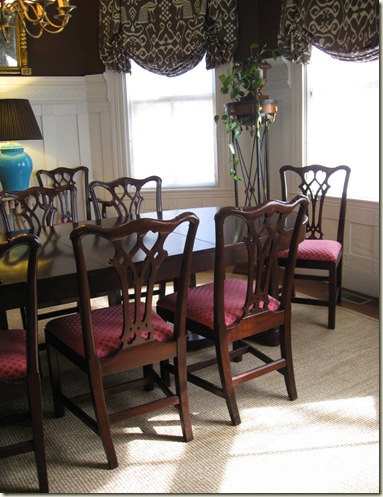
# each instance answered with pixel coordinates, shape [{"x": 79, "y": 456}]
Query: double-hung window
[
  {"x": 343, "y": 120},
  {"x": 171, "y": 128}
]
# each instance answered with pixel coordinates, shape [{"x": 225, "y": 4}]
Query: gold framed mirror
[{"x": 13, "y": 49}]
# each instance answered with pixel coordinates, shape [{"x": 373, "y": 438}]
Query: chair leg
[
  {"x": 162, "y": 288},
  {"x": 36, "y": 409},
  {"x": 332, "y": 298},
  {"x": 3, "y": 320},
  {"x": 54, "y": 374},
  {"x": 23, "y": 317},
  {"x": 148, "y": 373},
  {"x": 164, "y": 372},
  {"x": 287, "y": 353},
  {"x": 339, "y": 281},
  {"x": 237, "y": 345},
  {"x": 182, "y": 392},
  {"x": 98, "y": 398},
  {"x": 223, "y": 362}
]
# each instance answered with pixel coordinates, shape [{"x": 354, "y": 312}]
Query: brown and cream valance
[
  {"x": 167, "y": 37},
  {"x": 345, "y": 29}
]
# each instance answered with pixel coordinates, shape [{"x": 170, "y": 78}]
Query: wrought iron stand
[{"x": 255, "y": 173}]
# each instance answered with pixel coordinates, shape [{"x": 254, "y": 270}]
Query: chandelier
[{"x": 36, "y": 16}]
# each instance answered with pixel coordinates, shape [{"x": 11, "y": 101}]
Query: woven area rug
[{"x": 327, "y": 441}]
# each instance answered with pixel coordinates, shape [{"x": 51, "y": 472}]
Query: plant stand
[{"x": 255, "y": 169}]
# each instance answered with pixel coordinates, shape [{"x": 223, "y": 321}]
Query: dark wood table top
[{"x": 57, "y": 277}]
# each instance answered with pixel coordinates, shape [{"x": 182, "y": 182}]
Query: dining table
[{"x": 57, "y": 274}]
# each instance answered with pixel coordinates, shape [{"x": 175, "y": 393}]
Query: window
[
  {"x": 343, "y": 120},
  {"x": 172, "y": 132}
]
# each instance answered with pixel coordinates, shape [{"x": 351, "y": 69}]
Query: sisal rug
[{"x": 327, "y": 441}]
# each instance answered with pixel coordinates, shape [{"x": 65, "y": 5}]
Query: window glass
[
  {"x": 172, "y": 132},
  {"x": 343, "y": 120}
]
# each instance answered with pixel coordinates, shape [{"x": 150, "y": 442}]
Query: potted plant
[{"x": 244, "y": 84}]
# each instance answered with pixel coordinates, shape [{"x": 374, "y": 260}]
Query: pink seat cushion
[
  {"x": 107, "y": 327},
  {"x": 13, "y": 359},
  {"x": 200, "y": 306},
  {"x": 316, "y": 250}
]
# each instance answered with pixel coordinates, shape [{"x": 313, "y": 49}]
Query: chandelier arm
[
  {"x": 35, "y": 13},
  {"x": 24, "y": 10}
]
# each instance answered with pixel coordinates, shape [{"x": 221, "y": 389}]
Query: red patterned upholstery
[
  {"x": 200, "y": 306},
  {"x": 234, "y": 309},
  {"x": 317, "y": 250},
  {"x": 129, "y": 336},
  {"x": 13, "y": 363},
  {"x": 107, "y": 330}
]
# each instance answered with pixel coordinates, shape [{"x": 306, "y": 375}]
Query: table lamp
[{"x": 17, "y": 122}]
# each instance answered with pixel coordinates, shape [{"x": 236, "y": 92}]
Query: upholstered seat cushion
[
  {"x": 316, "y": 250},
  {"x": 106, "y": 328},
  {"x": 200, "y": 306},
  {"x": 13, "y": 360}
]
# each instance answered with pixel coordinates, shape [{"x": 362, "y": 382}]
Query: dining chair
[
  {"x": 320, "y": 256},
  {"x": 110, "y": 340},
  {"x": 35, "y": 209},
  {"x": 235, "y": 308},
  {"x": 38, "y": 207},
  {"x": 61, "y": 176},
  {"x": 19, "y": 370},
  {"x": 123, "y": 197}
]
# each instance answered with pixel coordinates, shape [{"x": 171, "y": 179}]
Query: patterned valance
[
  {"x": 167, "y": 37},
  {"x": 345, "y": 29}
]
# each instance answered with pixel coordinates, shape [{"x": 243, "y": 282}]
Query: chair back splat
[
  {"x": 61, "y": 176},
  {"x": 19, "y": 369},
  {"x": 235, "y": 308},
  {"x": 320, "y": 251},
  {"x": 119, "y": 338}
]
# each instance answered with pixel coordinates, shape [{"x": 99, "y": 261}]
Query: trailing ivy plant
[{"x": 244, "y": 82}]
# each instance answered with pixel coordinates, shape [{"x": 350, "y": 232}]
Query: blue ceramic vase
[{"x": 15, "y": 167}]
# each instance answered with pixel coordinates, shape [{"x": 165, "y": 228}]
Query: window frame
[{"x": 221, "y": 142}]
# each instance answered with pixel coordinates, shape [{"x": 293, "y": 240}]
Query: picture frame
[{"x": 13, "y": 49}]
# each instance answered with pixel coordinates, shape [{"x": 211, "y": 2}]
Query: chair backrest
[
  {"x": 318, "y": 183},
  {"x": 122, "y": 197},
  {"x": 38, "y": 207},
  {"x": 133, "y": 254},
  {"x": 61, "y": 176},
  {"x": 23, "y": 247},
  {"x": 265, "y": 230}
]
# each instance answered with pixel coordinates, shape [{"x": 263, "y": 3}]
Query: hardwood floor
[{"x": 350, "y": 299}]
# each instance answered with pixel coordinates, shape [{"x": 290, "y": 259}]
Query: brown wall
[
  {"x": 258, "y": 22},
  {"x": 74, "y": 52}
]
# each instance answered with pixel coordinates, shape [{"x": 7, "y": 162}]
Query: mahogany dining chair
[
  {"x": 319, "y": 251},
  {"x": 235, "y": 308},
  {"x": 35, "y": 209},
  {"x": 61, "y": 176},
  {"x": 123, "y": 196},
  {"x": 106, "y": 341},
  {"x": 19, "y": 367}
]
